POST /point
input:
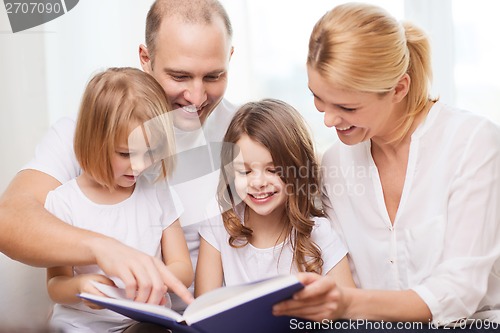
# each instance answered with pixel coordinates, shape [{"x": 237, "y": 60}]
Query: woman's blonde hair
[
  {"x": 113, "y": 101},
  {"x": 281, "y": 129},
  {"x": 362, "y": 48}
]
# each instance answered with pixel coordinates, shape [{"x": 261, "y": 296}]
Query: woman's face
[{"x": 357, "y": 116}]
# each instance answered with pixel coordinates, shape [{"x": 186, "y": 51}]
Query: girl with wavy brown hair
[{"x": 268, "y": 193}]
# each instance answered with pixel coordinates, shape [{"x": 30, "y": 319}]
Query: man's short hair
[{"x": 191, "y": 11}]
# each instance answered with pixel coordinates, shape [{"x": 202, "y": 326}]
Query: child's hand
[{"x": 85, "y": 286}]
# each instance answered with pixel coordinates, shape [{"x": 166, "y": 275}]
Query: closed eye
[
  {"x": 213, "y": 77},
  {"x": 179, "y": 77}
]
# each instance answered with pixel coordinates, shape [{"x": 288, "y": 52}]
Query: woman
[{"x": 413, "y": 186}]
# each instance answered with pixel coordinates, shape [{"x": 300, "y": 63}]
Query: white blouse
[
  {"x": 445, "y": 241},
  {"x": 249, "y": 263}
]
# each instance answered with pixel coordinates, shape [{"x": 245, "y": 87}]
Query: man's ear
[
  {"x": 145, "y": 59},
  {"x": 402, "y": 87}
]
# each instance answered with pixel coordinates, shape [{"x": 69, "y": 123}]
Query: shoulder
[
  {"x": 462, "y": 122},
  {"x": 328, "y": 240},
  {"x": 464, "y": 129},
  {"x": 159, "y": 192},
  {"x": 213, "y": 231},
  {"x": 322, "y": 227},
  {"x": 65, "y": 195},
  {"x": 65, "y": 125},
  {"x": 68, "y": 188},
  {"x": 226, "y": 107},
  {"x": 216, "y": 125},
  {"x": 66, "y": 121}
]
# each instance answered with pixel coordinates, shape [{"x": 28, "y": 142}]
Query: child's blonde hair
[
  {"x": 281, "y": 129},
  {"x": 114, "y": 100}
]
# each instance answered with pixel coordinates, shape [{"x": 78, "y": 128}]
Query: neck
[
  {"x": 267, "y": 230},
  {"x": 99, "y": 193},
  {"x": 392, "y": 148}
]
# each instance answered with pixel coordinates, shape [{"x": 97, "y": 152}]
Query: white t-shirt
[
  {"x": 137, "y": 221},
  {"x": 445, "y": 241},
  {"x": 249, "y": 263},
  {"x": 55, "y": 156}
]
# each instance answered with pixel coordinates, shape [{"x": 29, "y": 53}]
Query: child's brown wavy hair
[{"x": 281, "y": 129}]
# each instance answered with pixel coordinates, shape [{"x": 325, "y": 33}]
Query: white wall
[
  {"x": 43, "y": 72},
  {"x": 24, "y": 119}
]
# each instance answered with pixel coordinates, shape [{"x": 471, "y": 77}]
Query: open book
[{"x": 243, "y": 308}]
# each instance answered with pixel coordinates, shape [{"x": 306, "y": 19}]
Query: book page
[
  {"x": 120, "y": 293},
  {"x": 224, "y": 298},
  {"x": 132, "y": 306},
  {"x": 110, "y": 291}
]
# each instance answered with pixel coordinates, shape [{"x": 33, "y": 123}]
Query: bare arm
[
  {"x": 176, "y": 254},
  {"x": 388, "y": 305},
  {"x": 323, "y": 299},
  {"x": 63, "y": 287},
  {"x": 32, "y": 235},
  {"x": 209, "y": 273},
  {"x": 341, "y": 273}
]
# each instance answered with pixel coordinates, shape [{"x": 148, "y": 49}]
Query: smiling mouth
[
  {"x": 190, "y": 109},
  {"x": 344, "y": 128},
  {"x": 260, "y": 196}
]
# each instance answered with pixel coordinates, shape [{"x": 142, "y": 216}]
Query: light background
[{"x": 43, "y": 72}]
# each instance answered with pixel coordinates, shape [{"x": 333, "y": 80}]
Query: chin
[{"x": 187, "y": 124}]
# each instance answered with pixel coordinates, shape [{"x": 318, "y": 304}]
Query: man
[
  {"x": 188, "y": 52},
  {"x": 194, "y": 76}
]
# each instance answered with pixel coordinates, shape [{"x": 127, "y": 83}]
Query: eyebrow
[
  {"x": 183, "y": 72},
  {"x": 121, "y": 147},
  {"x": 343, "y": 105},
  {"x": 245, "y": 164}
]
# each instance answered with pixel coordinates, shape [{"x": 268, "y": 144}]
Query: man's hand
[{"x": 146, "y": 278}]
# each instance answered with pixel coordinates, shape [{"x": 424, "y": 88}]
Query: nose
[
  {"x": 331, "y": 119},
  {"x": 258, "y": 180},
  {"x": 196, "y": 93},
  {"x": 140, "y": 163}
]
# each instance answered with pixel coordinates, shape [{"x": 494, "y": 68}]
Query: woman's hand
[{"x": 320, "y": 299}]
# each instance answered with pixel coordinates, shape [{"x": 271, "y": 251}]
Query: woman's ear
[{"x": 402, "y": 87}]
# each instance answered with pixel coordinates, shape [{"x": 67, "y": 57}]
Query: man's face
[{"x": 191, "y": 63}]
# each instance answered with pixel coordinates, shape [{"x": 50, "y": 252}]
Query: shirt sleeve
[
  {"x": 169, "y": 201},
  {"x": 459, "y": 281},
  {"x": 213, "y": 232},
  {"x": 56, "y": 203},
  {"x": 331, "y": 246},
  {"x": 55, "y": 155}
]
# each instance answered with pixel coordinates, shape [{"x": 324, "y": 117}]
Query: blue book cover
[{"x": 243, "y": 309}]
